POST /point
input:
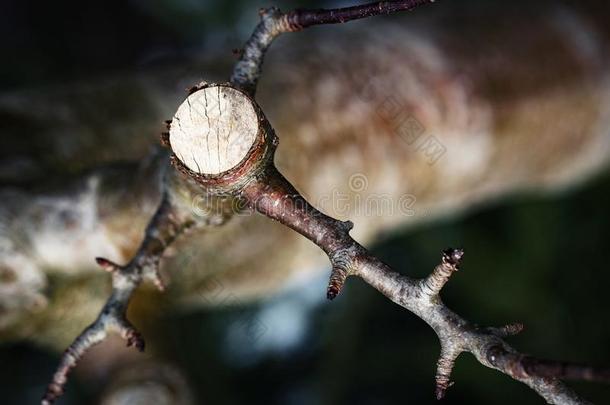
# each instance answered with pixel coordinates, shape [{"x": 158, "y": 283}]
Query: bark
[{"x": 261, "y": 186}]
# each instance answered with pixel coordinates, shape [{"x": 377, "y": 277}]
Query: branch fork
[
  {"x": 169, "y": 221},
  {"x": 221, "y": 142},
  {"x": 112, "y": 318},
  {"x": 257, "y": 181}
]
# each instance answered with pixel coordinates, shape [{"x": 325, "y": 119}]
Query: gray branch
[{"x": 172, "y": 219}]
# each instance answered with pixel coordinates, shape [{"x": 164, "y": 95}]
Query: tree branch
[
  {"x": 262, "y": 187},
  {"x": 273, "y": 23},
  {"x": 235, "y": 157},
  {"x": 172, "y": 218},
  {"x": 273, "y": 196}
]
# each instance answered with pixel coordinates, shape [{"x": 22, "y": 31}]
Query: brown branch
[
  {"x": 273, "y": 23},
  {"x": 528, "y": 365},
  {"x": 262, "y": 187},
  {"x": 252, "y": 177},
  {"x": 300, "y": 18},
  {"x": 273, "y": 196}
]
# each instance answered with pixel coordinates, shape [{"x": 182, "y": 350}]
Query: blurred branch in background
[{"x": 510, "y": 99}]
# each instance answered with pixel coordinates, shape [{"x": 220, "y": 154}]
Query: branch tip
[
  {"x": 453, "y": 256},
  {"x": 441, "y": 389},
  {"x": 347, "y": 225},
  {"x": 451, "y": 259},
  {"x": 338, "y": 276},
  {"x": 106, "y": 264},
  {"x": 444, "y": 366},
  {"x": 134, "y": 338}
]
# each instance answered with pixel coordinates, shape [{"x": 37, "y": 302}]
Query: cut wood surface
[{"x": 213, "y": 129}]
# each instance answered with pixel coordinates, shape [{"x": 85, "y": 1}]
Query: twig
[
  {"x": 172, "y": 218},
  {"x": 252, "y": 177},
  {"x": 262, "y": 187},
  {"x": 273, "y": 23}
]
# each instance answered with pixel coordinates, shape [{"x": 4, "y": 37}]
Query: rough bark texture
[
  {"x": 264, "y": 189},
  {"x": 269, "y": 193},
  {"x": 361, "y": 87},
  {"x": 347, "y": 256}
]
